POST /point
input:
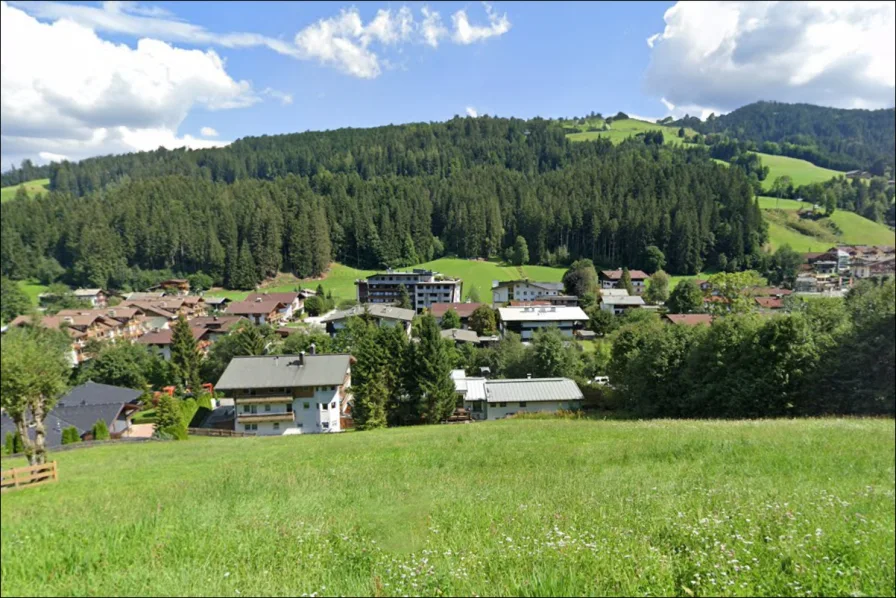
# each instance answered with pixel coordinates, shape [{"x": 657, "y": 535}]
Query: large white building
[
  {"x": 525, "y": 320},
  {"x": 523, "y": 290},
  {"x": 424, "y": 287},
  {"x": 495, "y": 399},
  {"x": 288, "y": 394}
]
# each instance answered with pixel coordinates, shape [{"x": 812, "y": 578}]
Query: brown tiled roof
[
  {"x": 164, "y": 337},
  {"x": 690, "y": 319},
  {"x": 617, "y": 274},
  {"x": 464, "y": 310},
  {"x": 215, "y": 322},
  {"x": 284, "y": 298},
  {"x": 253, "y": 307},
  {"x": 769, "y": 292},
  {"x": 770, "y": 302}
]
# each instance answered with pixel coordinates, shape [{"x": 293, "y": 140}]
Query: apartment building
[{"x": 424, "y": 287}]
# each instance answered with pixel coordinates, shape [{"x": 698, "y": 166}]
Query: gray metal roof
[
  {"x": 377, "y": 310},
  {"x": 92, "y": 393},
  {"x": 633, "y": 300},
  {"x": 273, "y": 371},
  {"x": 532, "y": 389},
  {"x": 461, "y": 334}
]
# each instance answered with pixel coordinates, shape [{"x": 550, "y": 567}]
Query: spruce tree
[
  {"x": 450, "y": 320},
  {"x": 185, "y": 356},
  {"x": 404, "y": 298},
  {"x": 625, "y": 282},
  {"x": 244, "y": 275},
  {"x": 100, "y": 430},
  {"x": 430, "y": 385}
]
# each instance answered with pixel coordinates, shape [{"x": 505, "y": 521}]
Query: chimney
[
  {"x": 528, "y": 376},
  {"x": 313, "y": 349},
  {"x": 301, "y": 358}
]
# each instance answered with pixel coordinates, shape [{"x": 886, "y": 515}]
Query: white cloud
[
  {"x": 208, "y": 132},
  {"x": 717, "y": 56},
  {"x": 342, "y": 41},
  {"x": 465, "y": 33},
  {"x": 285, "y": 99},
  {"x": 65, "y": 91},
  {"x": 51, "y": 157},
  {"x": 472, "y": 112}
]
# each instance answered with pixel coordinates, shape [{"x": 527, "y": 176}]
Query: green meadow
[
  {"x": 32, "y": 187},
  {"x": 802, "y": 172},
  {"x": 620, "y": 130},
  {"x": 509, "y": 508}
]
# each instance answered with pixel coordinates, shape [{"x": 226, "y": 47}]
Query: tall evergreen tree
[
  {"x": 185, "y": 356},
  {"x": 450, "y": 320},
  {"x": 430, "y": 385},
  {"x": 244, "y": 275},
  {"x": 404, "y": 298},
  {"x": 625, "y": 282}
]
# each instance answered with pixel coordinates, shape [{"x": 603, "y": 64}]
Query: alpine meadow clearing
[{"x": 517, "y": 507}]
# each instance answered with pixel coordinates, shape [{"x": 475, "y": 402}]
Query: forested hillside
[
  {"x": 830, "y": 137},
  {"x": 391, "y": 196}
]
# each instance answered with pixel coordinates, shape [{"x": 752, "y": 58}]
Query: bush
[
  {"x": 316, "y": 305},
  {"x": 176, "y": 432},
  {"x": 100, "y": 430},
  {"x": 70, "y": 435}
]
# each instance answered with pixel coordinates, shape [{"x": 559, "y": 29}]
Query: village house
[
  {"x": 83, "y": 407},
  {"x": 523, "y": 290},
  {"x": 217, "y": 303},
  {"x": 527, "y": 319},
  {"x": 465, "y": 336},
  {"x": 382, "y": 315},
  {"x": 609, "y": 279},
  {"x": 217, "y": 326},
  {"x": 494, "y": 399},
  {"x": 288, "y": 394},
  {"x": 130, "y": 320},
  {"x": 95, "y": 297},
  {"x": 81, "y": 327},
  {"x": 463, "y": 311},
  {"x": 769, "y": 303},
  {"x": 161, "y": 341},
  {"x": 292, "y": 302},
  {"x": 258, "y": 311},
  {"x": 619, "y": 304},
  {"x": 144, "y": 296},
  {"x": 424, "y": 288},
  {"x": 174, "y": 286},
  {"x": 873, "y": 267}
]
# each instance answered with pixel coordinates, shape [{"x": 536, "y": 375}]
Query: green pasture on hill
[{"x": 32, "y": 187}]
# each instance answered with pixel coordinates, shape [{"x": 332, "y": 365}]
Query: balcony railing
[
  {"x": 262, "y": 400},
  {"x": 255, "y": 418}
]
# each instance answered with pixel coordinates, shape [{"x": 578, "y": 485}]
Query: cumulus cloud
[
  {"x": 467, "y": 33},
  {"x": 51, "y": 157},
  {"x": 208, "y": 132},
  {"x": 717, "y": 56},
  {"x": 472, "y": 112},
  {"x": 343, "y": 41},
  {"x": 67, "y": 92}
]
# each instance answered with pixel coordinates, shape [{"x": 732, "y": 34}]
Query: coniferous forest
[{"x": 388, "y": 196}]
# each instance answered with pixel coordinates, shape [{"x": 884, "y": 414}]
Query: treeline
[
  {"x": 605, "y": 203},
  {"x": 27, "y": 171},
  {"x": 829, "y": 137},
  {"x": 826, "y": 356},
  {"x": 872, "y": 199}
]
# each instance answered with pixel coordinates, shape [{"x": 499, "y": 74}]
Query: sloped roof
[
  {"x": 464, "y": 310},
  {"x": 459, "y": 334},
  {"x": 254, "y": 307},
  {"x": 532, "y": 389},
  {"x": 617, "y": 274},
  {"x": 690, "y": 319},
  {"x": 284, "y": 298},
  {"x": 165, "y": 336},
  {"x": 273, "y": 371},
  {"x": 215, "y": 322},
  {"x": 377, "y": 310},
  {"x": 87, "y": 292},
  {"x": 542, "y": 314},
  {"x": 93, "y": 393},
  {"x": 770, "y": 302},
  {"x": 626, "y": 300},
  {"x": 614, "y": 292}
]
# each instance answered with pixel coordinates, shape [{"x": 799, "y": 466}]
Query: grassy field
[
  {"x": 620, "y": 130},
  {"x": 802, "y": 172},
  {"x": 32, "y": 288},
  {"x": 526, "y": 507},
  {"x": 32, "y": 187},
  {"x": 480, "y": 274},
  {"x": 842, "y": 227}
]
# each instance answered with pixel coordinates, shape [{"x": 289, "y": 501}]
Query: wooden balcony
[
  {"x": 255, "y": 418},
  {"x": 262, "y": 400}
]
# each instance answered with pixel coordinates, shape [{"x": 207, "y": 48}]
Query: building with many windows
[
  {"x": 525, "y": 320},
  {"x": 424, "y": 287},
  {"x": 523, "y": 290},
  {"x": 287, "y": 394}
]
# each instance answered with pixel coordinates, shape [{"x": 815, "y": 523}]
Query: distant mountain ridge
[{"x": 836, "y": 138}]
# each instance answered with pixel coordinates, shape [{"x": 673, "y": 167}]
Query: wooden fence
[
  {"x": 32, "y": 475},
  {"x": 217, "y": 432}
]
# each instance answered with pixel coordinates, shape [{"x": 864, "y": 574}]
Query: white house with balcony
[
  {"x": 525, "y": 320},
  {"x": 288, "y": 394},
  {"x": 497, "y": 399},
  {"x": 523, "y": 290}
]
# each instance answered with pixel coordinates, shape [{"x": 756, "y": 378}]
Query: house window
[
  {"x": 332, "y": 388},
  {"x": 326, "y": 424},
  {"x": 522, "y": 403},
  {"x": 276, "y": 425},
  {"x": 333, "y": 405},
  {"x": 267, "y": 407},
  {"x": 477, "y": 407},
  {"x": 502, "y": 404},
  {"x": 247, "y": 427},
  {"x": 245, "y": 409},
  {"x": 289, "y": 408},
  {"x": 306, "y": 405}
]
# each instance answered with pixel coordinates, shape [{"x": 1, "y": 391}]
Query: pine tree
[
  {"x": 520, "y": 251},
  {"x": 404, "y": 298},
  {"x": 430, "y": 385},
  {"x": 320, "y": 242},
  {"x": 185, "y": 356},
  {"x": 625, "y": 282},
  {"x": 70, "y": 435},
  {"x": 244, "y": 275},
  {"x": 168, "y": 413}
]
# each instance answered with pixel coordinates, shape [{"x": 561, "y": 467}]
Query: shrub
[
  {"x": 10, "y": 443},
  {"x": 70, "y": 435},
  {"x": 176, "y": 432},
  {"x": 100, "y": 430}
]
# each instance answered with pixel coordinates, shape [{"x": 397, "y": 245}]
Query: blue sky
[{"x": 90, "y": 78}]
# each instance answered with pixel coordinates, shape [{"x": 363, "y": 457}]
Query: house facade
[
  {"x": 288, "y": 394},
  {"x": 610, "y": 279},
  {"x": 525, "y": 320},
  {"x": 292, "y": 302},
  {"x": 258, "y": 311},
  {"x": 619, "y": 304},
  {"x": 496, "y": 399},
  {"x": 523, "y": 290},
  {"x": 95, "y": 297},
  {"x": 382, "y": 315},
  {"x": 424, "y": 287}
]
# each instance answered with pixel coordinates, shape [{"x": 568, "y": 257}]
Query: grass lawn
[
  {"x": 802, "y": 172},
  {"x": 857, "y": 230},
  {"x": 147, "y": 416},
  {"x": 620, "y": 130},
  {"x": 526, "y": 507},
  {"x": 773, "y": 203},
  {"x": 32, "y": 187},
  {"x": 32, "y": 288},
  {"x": 340, "y": 280}
]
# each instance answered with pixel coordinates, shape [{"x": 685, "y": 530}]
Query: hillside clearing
[
  {"x": 801, "y": 171},
  {"x": 524, "y": 507},
  {"x": 620, "y": 130},
  {"x": 32, "y": 187}
]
